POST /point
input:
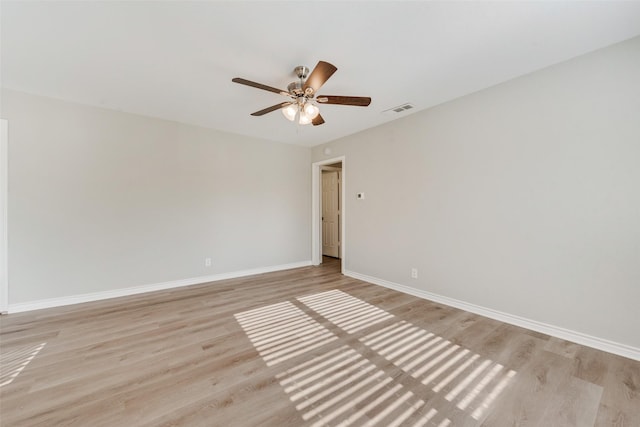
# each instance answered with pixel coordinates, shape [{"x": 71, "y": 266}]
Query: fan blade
[
  {"x": 317, "y": 121},
  {"x": 319, "y": 76},
  {"x": 259, "y": 86},
  {"x": 272, "y": 108},
  {"x": 359, "y": 101}
]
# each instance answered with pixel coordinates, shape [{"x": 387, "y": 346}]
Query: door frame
[
  {"x": 316, "y": 211},
  {"x": 338, "y": 171},
  {"x": 4, "y": 189}
]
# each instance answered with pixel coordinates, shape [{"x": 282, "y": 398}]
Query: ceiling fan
[{"x": 302, "y": 105}]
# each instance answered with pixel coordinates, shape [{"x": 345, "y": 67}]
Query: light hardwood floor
[{"x": 304, "y": 347}]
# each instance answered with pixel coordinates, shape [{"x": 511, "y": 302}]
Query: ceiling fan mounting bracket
[{"x": 301, "y": 71}]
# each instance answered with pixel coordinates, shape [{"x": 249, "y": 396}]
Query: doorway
[
  {"x": 331, "y": 178},
  {"x": 330, "y": 165}
]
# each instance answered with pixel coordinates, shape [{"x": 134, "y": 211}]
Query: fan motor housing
[{"x": 295, "y": 89}]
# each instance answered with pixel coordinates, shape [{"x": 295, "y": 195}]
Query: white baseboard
[
  {"x": 555, "y": 331},
  {"x": 96, "y": 296}
]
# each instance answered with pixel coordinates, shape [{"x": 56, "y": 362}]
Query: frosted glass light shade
[
  {"x": 290, "y": 112},
  {"x": 304, "y": 119},
  {"x": 311, "y": 111}
]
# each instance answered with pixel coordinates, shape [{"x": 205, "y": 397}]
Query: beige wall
[
  {"x": 522, "y": 198},
  {"x": 102, "y": 200}
]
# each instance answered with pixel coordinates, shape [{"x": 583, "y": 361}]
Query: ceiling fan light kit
[
  {"x": 305, "y": 110},
  {"x": 302, "y": 105},
  {"x": 290, "y": 112},
  {"x": 311, "y": 110}
]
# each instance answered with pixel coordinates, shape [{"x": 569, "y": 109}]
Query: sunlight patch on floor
[
  {"x": 282, "y": 331},
  {"x": 13, "y": 362},
  {"x": 428, "y": 358},
  {"x": 345, "y": 311},
  {"x": 351, "y": 391},
  {"x": 353, "y": 382}
]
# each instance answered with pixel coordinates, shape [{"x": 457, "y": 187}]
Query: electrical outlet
[
  {"x": 414, "y": 273},
  {"x": 207, "y": 262}
]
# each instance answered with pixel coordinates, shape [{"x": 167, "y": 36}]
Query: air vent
[{"x": 399, "y": 109}]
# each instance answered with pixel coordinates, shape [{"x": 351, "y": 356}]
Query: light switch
[{"x": 360, "y": 196}]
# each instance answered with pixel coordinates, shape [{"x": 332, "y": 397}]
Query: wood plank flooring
[{"x": 303, "y": 347}]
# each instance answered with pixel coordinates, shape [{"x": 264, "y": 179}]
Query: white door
[{"x": 331, "y": 213}]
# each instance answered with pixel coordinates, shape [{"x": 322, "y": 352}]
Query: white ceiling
[{"x": 175, "y": 60}]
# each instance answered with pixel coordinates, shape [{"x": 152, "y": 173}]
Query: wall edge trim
[
  {"x": 122, "y": 292},
  {"x": 534, "y": 325}
]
